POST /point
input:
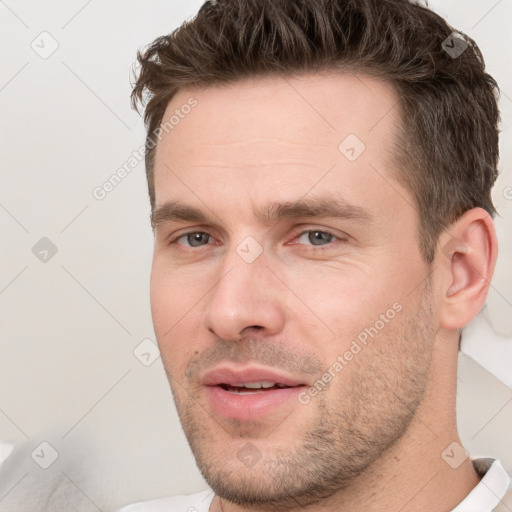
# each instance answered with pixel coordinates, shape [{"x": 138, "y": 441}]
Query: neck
[{"x": 418, "y": 472}]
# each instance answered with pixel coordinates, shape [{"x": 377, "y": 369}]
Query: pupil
[
  {"x": 196, "y": 239},
  {"x": 319, "y": 237}
]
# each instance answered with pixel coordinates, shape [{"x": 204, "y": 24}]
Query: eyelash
[{"x": 312, "y": 247}]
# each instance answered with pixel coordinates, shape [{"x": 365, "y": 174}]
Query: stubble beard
[{"x": 351, "y": 430}]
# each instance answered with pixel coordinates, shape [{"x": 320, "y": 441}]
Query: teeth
[
  {"x": 234, "y": 392},
  {"x": 257, "y": 385}
]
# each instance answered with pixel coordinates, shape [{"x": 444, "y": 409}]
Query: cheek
[
  {"x": 173, "y": 295},
  {"x": 342, "y": 293},
  {"x": 175, "y": 311},
  {"x": 162, "y": 303},
  {"x": 347, "y": 302}
]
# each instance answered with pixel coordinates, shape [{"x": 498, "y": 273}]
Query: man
[{"x": 320, "y": 174}]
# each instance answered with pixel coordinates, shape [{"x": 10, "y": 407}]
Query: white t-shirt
[{"x": 493, "y": 493}]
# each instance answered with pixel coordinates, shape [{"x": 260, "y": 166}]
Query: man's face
[{"x": 286, "y": 259}]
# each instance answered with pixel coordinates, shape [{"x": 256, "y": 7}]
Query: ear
[{"x": 466, "y": 256}]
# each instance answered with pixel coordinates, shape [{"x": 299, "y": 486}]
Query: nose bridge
[{"x": 242, "y": 298}]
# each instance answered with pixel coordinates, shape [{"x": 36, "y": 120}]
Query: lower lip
[{"x": 246, "y": 407}]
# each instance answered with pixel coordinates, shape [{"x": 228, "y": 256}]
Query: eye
[
  {"x": 316, "y": 237},
  {"x": 193, "y": 239}
]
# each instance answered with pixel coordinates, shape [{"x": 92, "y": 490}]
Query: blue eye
[
  {"x": 195, "y": 239},
  {"x": 311, "y": 237},
  {"x": 317, "y": 237}
]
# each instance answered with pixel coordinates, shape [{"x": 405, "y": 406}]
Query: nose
[{"x": 245, "y": 298}]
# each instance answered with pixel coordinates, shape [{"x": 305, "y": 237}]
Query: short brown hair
[{"x": 447, "y": 146}]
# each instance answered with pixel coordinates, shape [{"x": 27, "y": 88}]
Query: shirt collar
[{"x": 493, "y": 486}]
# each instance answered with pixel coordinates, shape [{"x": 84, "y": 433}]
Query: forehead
[
  {"x": 330, "y": 105},
  {"x": 275, "y": 138}
]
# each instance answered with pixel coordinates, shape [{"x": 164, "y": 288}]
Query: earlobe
[{"x": 467, "y": 256}]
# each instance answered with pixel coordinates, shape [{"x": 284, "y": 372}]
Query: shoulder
[{"x": 198, "y": 502}]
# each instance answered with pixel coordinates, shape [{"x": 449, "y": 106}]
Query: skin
[{"x": 373, "y": 439}]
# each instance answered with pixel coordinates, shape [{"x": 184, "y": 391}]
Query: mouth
[
  {"x": 249, "y": 393},
  {"x": 251, "y": 388}
]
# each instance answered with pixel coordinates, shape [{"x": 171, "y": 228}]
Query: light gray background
[{"x": 68, "y": 327}]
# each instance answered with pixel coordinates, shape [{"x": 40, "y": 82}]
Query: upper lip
[{"x": 233, "y": 376}]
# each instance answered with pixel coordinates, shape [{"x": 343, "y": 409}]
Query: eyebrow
[{"x": 302, "y": 208}]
